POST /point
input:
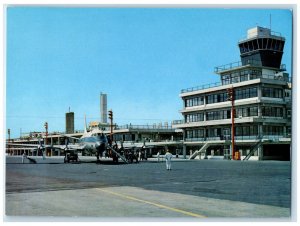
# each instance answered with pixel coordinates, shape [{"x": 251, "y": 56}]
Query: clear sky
[{"x": 58, "y": 58}]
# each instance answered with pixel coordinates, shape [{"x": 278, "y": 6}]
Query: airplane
[{"x": 93, "y": 142}]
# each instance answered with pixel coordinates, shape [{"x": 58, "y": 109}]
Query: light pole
[
  {"x": 231, "y": 98},
  {"x": 110, "y": 116}
]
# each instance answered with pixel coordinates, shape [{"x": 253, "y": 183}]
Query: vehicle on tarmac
[{"x": 71, "y": 157}]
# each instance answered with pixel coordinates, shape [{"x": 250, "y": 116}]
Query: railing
[
  {"x": 228, "y": 66},
  {"x": 216, "y": 84},
  {"x": 237, "y": 64},
  {"x": 178, "y": 122},
  {"x": 158, "y": 126},
  {"x": 273, "y": 33},
  {"x": 206, "y": 86},
  {"x": 240, "y": 138}
]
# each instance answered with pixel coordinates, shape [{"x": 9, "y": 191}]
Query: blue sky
[{"x": 58, "y": 58}]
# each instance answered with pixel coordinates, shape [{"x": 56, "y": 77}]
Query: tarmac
[{"x": 194, "y": 190}]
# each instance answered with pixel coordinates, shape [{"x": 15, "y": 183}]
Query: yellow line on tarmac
[{"x": 152, "y": 203}]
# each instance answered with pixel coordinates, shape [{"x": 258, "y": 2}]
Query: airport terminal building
[
  {"x": 257, "y": 90},
  {"x": 245, "y": 116}
]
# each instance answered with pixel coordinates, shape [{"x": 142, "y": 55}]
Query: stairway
[
  {"x": 202, "y": 149},
  {"x": 252, "y": 150},
  {"x": 120, "y": 156}
]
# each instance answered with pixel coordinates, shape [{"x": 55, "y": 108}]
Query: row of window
[
  {"x": 239, "y": 94},
  {"x": 221, "y": 97},
  {"x": 267, "y": 111},
  {"x": 218, "y": 115},
  {"x": 240, "y": 76},
  {"x": 225, "y": 133}
]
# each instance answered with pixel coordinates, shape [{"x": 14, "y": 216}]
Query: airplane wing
[
  {"x": 24, "y": 145},
  {"x": 75, "y": 138},
  {"x": 71, "y": 147}
]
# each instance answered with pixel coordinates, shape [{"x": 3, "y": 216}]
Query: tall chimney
[
  {"x": 103, "y": 107},
  {"x": 70, "y": 122}
]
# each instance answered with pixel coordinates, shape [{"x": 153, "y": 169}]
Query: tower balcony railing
[
  {"x": 250, "y": 62},
  {"x": 216, "y": 84}
]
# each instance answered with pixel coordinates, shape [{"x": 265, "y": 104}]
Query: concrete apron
[{"x": 133, "y": 202}]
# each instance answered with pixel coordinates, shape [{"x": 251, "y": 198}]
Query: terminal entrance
[{"x": 276, "y": 152}]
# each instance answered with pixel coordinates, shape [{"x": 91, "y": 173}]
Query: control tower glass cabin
[{"x": 262, "y": 47}]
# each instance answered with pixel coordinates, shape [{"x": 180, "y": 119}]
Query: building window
[
  {"x": 194, "y": 117},
  {"x": 268, "y": 111},
  {"x": 272, "y": 92},
  {"x": 195, "y": 101},
  {"x": 218, "y": 115},
  {"x": 273, "y": 130},
  {"x": 246, "y": 112},
  {"x": 246, "y": 130},
  {"x": 198, "y": 133},
  {"x": 245, "y": 93}
]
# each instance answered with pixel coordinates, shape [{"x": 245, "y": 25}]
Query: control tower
[{"x": 262, "y": 47}]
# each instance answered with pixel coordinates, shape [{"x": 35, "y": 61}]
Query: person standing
[
  {"x": 24, "y": 156},
  {"x": 168, "y": 158},
  {"x": 158, "y": 155}
]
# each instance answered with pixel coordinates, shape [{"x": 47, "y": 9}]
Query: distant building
[{"x": 262, "y": 102}]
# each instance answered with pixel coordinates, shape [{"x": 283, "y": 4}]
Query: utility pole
[
  {"x": 231, "y": 98},
  {"x": 110, "y": 116}
]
